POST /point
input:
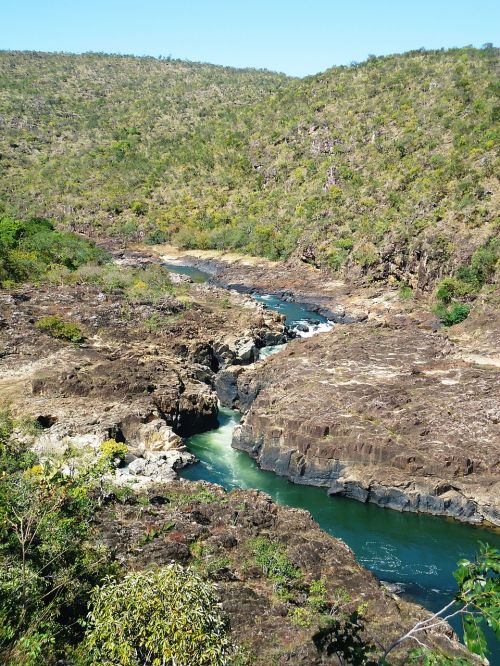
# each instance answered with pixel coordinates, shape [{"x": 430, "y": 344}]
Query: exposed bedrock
[
  {"x": 394, "y": 417},
  {"x": 215, "y": 530},
  {"x": 147, "y": 388}
]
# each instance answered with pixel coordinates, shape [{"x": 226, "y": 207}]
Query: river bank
[
  {"x": 153, "y": 375},
  {"x": 393, "y": 411},
  {"x": 414, "y": 554}
]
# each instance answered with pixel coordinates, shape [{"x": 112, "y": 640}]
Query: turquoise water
[
  {"x": 294, "y": 312},
  {"x": 419, "y": 552},
  {"x": 195, "y": 274}
]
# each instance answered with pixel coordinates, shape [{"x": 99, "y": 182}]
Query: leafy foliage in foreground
[
  {"x": 477, "y": 602},
  {"x": 163, "y": 616},
  {"x": 383, "y": 169},
  {"x": 52, "y": 569},
  {"x": 479, "y": 592},
  {"x": 48, "y": 560}
]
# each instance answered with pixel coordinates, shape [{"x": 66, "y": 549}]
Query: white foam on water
[
  {"x": 265, "y": 352},
  {"x": 322, "y": 327}
]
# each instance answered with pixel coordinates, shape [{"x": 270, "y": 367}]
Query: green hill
[
  {"x": 87, "y": 139},
  {"x": 384, "y": 169}
]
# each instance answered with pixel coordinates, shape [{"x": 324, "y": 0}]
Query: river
[{"x": 417, "y": 552}]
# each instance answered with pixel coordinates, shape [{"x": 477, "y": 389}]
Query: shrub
[
  {"x": 336, "y": 258},
  {"x": 453, "y": 314},
  {"x": 112, "y": 453},
  {"x": 483, "y": 264},
  {"x": 60, "y": 329},
  {"x": 59, "y": 247},
  {"x": 163, "y": 616},
  {"x": 149, "y": 284},
  {"x": 139, "y": 207},
  {"x": 275, "y": 563},
  {"x": 156, "y": 237},
  {"x": 366, "y": 255},
  {"x": 450, "y": 288},
  {"x": 317, "y": 598},
  {"x": 302, "y": 617},
  {"x": 31, "y": 250}
]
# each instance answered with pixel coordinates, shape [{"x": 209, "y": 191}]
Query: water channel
[{"x": 417, "y": 552}]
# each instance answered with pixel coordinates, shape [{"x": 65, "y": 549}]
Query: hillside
[
  {"x": 88, "y": 138},
  {"x": 383, "y": 170}
]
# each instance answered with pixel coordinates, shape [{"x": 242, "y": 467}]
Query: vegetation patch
[
  {"x": 162, "y": 616},
  {"x": 139, "y": 285},
  {"x": 391, "y": 157},
  {"x": 32, "y": 249},
  {"x": 60, "y": 329},
  {"x": 455, "y": 294},
  {"x": 275, "y": 563}
]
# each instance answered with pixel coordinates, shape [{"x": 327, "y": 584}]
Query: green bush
[
  {"x": 12, "y": 232},
  {"x": 336, "y": 258},
  {"x": 161, "y": 616},
  {"x": 60, "y": 329},
  {"x": 482, "y": 266},
  {"x": 112, "y": 453},
  {"x": 366, "y": 255},
  {"x": 450, "y": 288},
  {"x": 156, "y": 237},
  {"x": 452, "y": 314},
  {"x": 275, "y": 563},
  {"x": 32, "y": 250}
]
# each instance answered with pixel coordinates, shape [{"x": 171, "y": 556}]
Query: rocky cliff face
[
  {"x": 201, "y": 525},
  {"x": 398, "y": 417}
]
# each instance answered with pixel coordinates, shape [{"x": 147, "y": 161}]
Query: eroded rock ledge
[{"x": 392, "y": 416}]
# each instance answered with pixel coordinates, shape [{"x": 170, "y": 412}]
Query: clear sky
[{"x": 298, "y": 37}]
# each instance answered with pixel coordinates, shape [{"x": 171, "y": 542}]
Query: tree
[
  {"x": 164, "y": 617},
  {"x": 48, "y": 563},
  {"x": 477, "y": 601}
]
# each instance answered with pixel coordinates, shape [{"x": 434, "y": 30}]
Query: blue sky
[{"x": 298, "y": 37}]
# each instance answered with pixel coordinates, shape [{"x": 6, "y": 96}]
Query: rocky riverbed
[
  {"x": 387, "y": 408},
  {"x": 144, "y": 374},
  {"x": 383, "y": 409}
]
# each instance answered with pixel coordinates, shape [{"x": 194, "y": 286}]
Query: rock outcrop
[
  {"x": 393, "y": 416},
  {"x": 146, "y": 379}
]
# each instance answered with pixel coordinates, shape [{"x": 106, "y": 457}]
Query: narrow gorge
[{"x": 249, "y": 360}]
